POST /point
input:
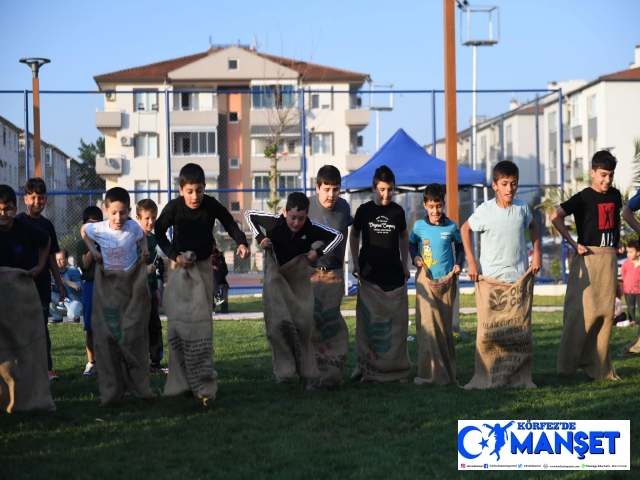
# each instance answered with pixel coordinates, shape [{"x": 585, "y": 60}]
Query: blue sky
[{"x": 395, "y": 42}]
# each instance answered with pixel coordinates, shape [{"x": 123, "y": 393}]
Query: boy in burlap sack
[
  {"x": 120, "y": 308},
  {"x": 382, "y": 314},
  {"x": 591, "y": 286},
  {"x": 431, "y": 248},
  {"x": 188, "y": 295},
  {"x": 331, "y": 337},
  {"x": 288, "y": 297},
  {"x": 504, "y": 291},
  {"x": 24, "y": 384}
]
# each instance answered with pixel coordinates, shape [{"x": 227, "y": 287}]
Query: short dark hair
[
  {"x": 146, "y": 205},
  {"x": 65, "y": 252},
  {"x": 191, "y": 173},
  {"x": 297, "y": 200},
  {"x": 433, "y": 192},
  {"x": 117, "y": 194},
  {"x": 603, "y": 160},
  {"x": 91, "y": 212},
  {"x": 505, "y": 168},
  {"x": 35, "y": 185},
  {"x": 634, "y": 244},
  {"x": 383, "y": 174},
  {"x": 328, "y": 175},
  {"x": 8, "y": 195}
]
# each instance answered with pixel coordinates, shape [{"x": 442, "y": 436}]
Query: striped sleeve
[
  {"x": 331, "y": 237},
  {"x": 256, "y": 219}
]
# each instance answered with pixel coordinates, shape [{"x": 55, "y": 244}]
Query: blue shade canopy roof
[{"x": 413, "y": 167}]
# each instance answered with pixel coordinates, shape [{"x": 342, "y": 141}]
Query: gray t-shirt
[{"x": 339, "y": 219}]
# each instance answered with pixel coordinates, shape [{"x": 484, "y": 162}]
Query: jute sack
[
  {"x": 589, "y": 307},
  {"x": 382, "y": 322},
  {"x": 188, "y": 303},
  {"x": 120, "y": 318},
  {"x": 24, "y": 383},
  {"x": 435, "y": 300},
  {"x": 287, "y": 300},
  {"x": 504, "y": 343},
  {"x": 330, "y": 339}
]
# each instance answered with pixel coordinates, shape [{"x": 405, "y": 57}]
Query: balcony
[
  {"x": 356, "y": 160},
  {"x": 290, "y": 163},
  {"x": 209, "y": 163},
  {"x": 109, "y": 166},
  {"x": 576, "y": 132},
  {"x": 270, "y": 117},
  {"x": 194, "y": 118},
  {"x": 357, "y": 117},
  {"x": 566, "y": 133},
  {"x": 108, "y": 119}
]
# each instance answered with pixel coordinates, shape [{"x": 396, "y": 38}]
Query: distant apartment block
[
  {"x": 226, "y": 132},
  {"x": 9, "y": 152}
]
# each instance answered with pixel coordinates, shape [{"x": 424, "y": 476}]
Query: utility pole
[
  {"x": 451, "y": 134},
  {"x": 35, "y": 64}
]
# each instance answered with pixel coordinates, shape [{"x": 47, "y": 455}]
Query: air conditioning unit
[
  {"x": 110, "y": 96},
  {"x": 126, "y": 141},
  {"x": 108, "y": 166}
]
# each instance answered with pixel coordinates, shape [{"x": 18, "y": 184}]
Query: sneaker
[
  {"x": 53, "y": 377},
  {"x": 55, "y": 320},
  {"x": 219, "y": 301},
  {"x": 157, "y": 368},
  {"x": 90, "y": 369}
]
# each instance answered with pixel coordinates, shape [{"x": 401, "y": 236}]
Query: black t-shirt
[
  {"x": 597, "y": 216},
  {"x": 19, "y": 245},
  {"x": 379, "y": 256},
  {"x": 43, "y": 281}
]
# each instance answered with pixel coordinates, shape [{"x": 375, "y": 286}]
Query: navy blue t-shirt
[{"x": 20, "y": 244}]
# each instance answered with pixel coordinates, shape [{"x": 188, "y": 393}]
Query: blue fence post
[
  {"x": 561, "y": 158},
  {"x": 303, "y": 129},
  {"x": 168, "y": 133},
  {"x": 26, "y": 135}
]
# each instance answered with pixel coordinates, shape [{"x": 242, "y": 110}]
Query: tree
[{"x": 89, "y": 179}]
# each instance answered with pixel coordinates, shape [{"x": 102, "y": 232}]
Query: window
[
  {"x": 315, "y": 100},
  {"x": 146, "y": 145},
  {"x": 194, "y": 143},
  {"x": 142, "y": 185},
  {"x": 233, "y": 64},
  {"x": 233, "y": 117},
  {"x": 575, "y": 111},
  {"x": 234, "y": 163},
  {"x": 483, "y": 148},
  {"x": 4, "y": 135},
  {"x": 593, "y": 146},
  {"x": 553, "y": 123},
  {"x": 259, "y": 144},
  {"x": 591, "y": 107},
  {"x": 553, "y": 161},
  {"x": 273, "y": 96},
  {"x": 285, "y": 181},
  {"x": 48, "y": 157},
  {"x": 509, "y": 133},
  {"x": 146, "y": 101},
  {"x": 235, "y": 207},
  {"x": 321, "y": 143}
]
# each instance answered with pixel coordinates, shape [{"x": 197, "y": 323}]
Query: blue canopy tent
[{"x": 413, "y": 167}]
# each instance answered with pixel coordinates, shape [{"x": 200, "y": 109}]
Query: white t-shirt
[
  {"x": 119, "y": 248},
  {"x": 503, "y": 250}
]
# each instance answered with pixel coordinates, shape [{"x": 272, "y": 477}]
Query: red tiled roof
[
  {"x": 629, "y": 74},
  {"x": 159, "y": 71}
]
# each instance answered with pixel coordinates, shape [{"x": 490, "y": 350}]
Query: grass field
[{"x": 257, "y": 429}]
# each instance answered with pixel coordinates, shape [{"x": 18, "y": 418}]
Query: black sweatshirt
[
  {"x": 286, "y": 244},
  {"x": 193, "y": 228}
]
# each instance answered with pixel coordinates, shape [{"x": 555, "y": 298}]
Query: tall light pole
[
  {"x": 35, "y": 64},
  {"x": 379, "y": 108}
]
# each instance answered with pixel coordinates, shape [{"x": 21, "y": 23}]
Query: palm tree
[{"x": 553, "y": 196}]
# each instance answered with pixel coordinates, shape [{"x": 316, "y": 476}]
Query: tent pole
[{"x": 451, "y": 141}]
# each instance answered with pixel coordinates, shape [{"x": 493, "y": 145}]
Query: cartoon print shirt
[
  {"x": 597, "y": 216},
  {"x": 119, "y": 248},
  {"x": 434, "y": 244}
]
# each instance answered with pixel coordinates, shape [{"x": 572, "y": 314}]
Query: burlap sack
[
  {"x": 435, "y": 300},
  {"x": 188, "y": 303},
  {"x": 330, "y": 339},
  {"x": 589, "y": 307},
  {"x": 287, "y": 301},
  {"x": 24, "y": 383},
  {"x": 382, "y": 322},
  {"x": 504, "y": 343},
  {"x": 119, "y": 319}
]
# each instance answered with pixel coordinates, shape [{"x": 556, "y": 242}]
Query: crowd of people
[{"x": 114, "y": 285}]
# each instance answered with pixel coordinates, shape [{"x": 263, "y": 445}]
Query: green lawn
[{"x": 257, "y": 429}]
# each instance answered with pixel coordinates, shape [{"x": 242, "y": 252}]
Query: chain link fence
[{"x": 139, "y": 140}]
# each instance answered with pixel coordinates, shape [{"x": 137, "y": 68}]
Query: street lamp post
[{"x": 35, "y": 64}]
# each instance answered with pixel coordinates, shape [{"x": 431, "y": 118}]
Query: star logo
[{"x": 484, "y": 443}]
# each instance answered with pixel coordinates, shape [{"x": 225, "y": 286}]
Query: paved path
[{"x": 348, "y": 313}]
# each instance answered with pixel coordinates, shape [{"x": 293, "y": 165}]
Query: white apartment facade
[{"x": 9, "y": 153}]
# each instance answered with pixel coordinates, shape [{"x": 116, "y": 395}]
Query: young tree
[{"x": 89, "y": 179}]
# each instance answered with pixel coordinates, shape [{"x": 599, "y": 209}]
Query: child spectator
[
  {"x": 504, "y": 261},
  {"x": 35, "y": 198},
  {"x": 382, "y": 269},
  {"x": 631, "y": 278},
  {"x": 591, "y": 286},
  {"x": 121, "y": 300},
  {"x": 193, "y": 216},
  {"x": 72, "y": 279},
  {"x": 23, "y": 382},
  {"x": 619, "y": 316},
  {"x": 146, "y": 213},
  {"x": 220, "y": 284},
  {"x": 91, "y": 214}
]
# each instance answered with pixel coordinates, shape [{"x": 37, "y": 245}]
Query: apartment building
[
  {"x": 9, "y": 152},
  {"x": 193, "y": 108}
]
